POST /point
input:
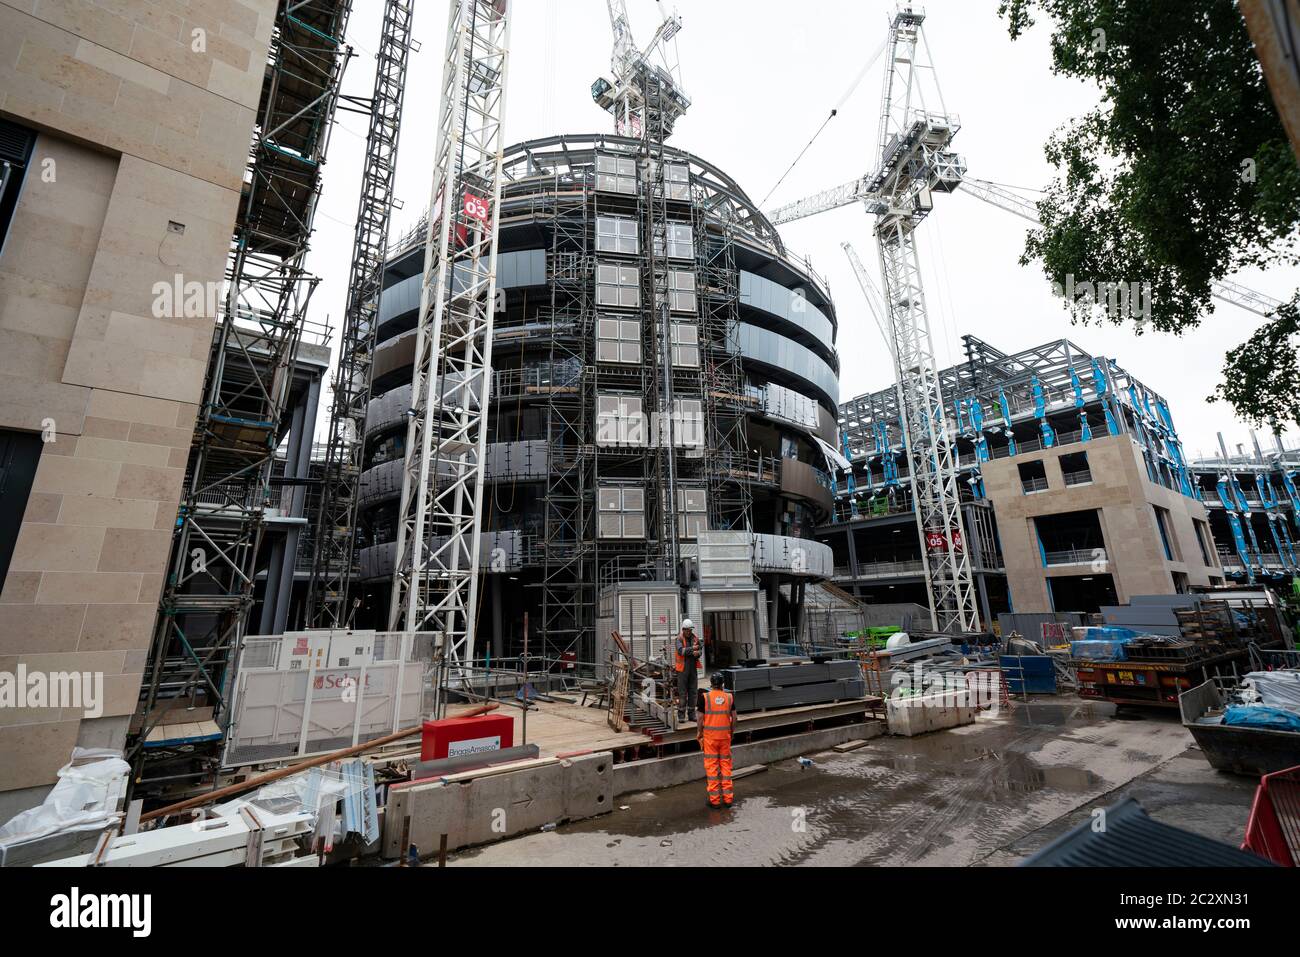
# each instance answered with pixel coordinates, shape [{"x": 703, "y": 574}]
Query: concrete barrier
[
  {"x": 920, "y": 714},
  {"x": 496, "y": 806},
  {"x": 492, "y": 807}
]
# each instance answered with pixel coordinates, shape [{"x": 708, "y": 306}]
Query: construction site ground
[
  {"x": 563, "y": 726},
  {"x": 559, "y": 728},
  {"x": 986, "y": 794}
]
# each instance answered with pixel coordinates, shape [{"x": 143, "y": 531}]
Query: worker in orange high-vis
[
  {"x": 717, "y": 707},
  {"x": 687, "y": 653}
]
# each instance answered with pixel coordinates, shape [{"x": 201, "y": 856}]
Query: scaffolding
[
  {"x": 334, "y": 563},
  {"x": 608, "y": 453},
  {"x": 208, "y": 592},
  {"x": 657, "y": 308},
  {"x": 727, "y": 401},
  {"x": 568, "y": 543},
  {"x": 597, "y": 456}
]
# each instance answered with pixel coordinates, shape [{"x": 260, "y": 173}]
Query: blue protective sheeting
[
  {"x": 1099, "y": 384},
  {"x": 1105, "y": 633},
  {"x": 1078, "y": 388},
  {"x": 1098, "y": 650},
  {"x": 1101, "y": 643},
  {"x": 1112, "y": 422},
  {"x": 1261, "y": 716}
]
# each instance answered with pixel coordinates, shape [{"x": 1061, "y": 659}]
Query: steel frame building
[
  {"x": 1000, "y": 405},
  {"x": 1253, "y": 498},
  {"x": 662, "y": 364}
]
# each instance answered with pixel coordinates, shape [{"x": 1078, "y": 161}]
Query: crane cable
[
  {"x": 853, "y": 88},
  {"x": 807, "y": 147}
]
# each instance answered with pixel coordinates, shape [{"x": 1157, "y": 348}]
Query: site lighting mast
[
  {"x": 643, "y": 96},
  {"x": 916, "y": 162},
  {"x": 435, "y": 580}
]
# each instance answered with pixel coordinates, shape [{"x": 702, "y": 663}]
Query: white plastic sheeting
[
  {"x": 834, "y": 460},
  {"x": 340, "y": 798},
  {"x": 1274, "y": 689},
  {"x": 85, "y": 798}
]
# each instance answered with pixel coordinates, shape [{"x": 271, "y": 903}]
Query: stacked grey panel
[
  {"x": 823, "y": 692},
  {"x": 791, "y": 685},
  {"x": 1152, "y": 614}
]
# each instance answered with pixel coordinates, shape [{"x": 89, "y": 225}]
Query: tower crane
[
  {"x": 916, "y": 161},
  {"x": 334, "y": 542},
  {"x": 861, "y": 190},
  {"x": 641, "y": 95},
  {"x": 435, "y": 580}
]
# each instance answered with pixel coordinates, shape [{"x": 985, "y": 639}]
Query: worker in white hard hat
[{"x": 687, "y": 655}]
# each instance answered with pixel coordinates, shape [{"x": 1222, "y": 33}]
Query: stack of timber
[{"x": 1211, "y": 622}]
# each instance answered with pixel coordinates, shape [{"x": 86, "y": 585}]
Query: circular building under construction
[{"x": 663, "y": 405}]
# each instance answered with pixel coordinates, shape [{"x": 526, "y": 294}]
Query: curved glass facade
[
  {"x": 776, "y": 300},
  {"x": 574, "y": 332},
  {"x": 773, "y": 349},
  {"x": 514, "y": 271}
]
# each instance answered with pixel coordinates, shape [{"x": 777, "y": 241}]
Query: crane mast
[
  {"x": 435, "y": 580},
  {"x": 334, "y": 540},
  {"x": 916, "y": 162}
]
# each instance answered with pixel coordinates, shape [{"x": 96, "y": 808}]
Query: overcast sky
[{"x": 763, "y": 75}]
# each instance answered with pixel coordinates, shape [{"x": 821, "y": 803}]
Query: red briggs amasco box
[{"x": 458, "y": 737}]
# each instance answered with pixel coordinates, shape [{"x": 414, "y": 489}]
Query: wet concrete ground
[{"x": 988, "y": 794}]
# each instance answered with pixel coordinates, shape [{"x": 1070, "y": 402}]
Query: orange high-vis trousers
[{"x": 717, "y": 768}]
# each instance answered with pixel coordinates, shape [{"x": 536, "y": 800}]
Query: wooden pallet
[{"x": 617, "y": 715}]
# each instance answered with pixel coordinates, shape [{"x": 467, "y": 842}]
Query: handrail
[{"x": 1076, "y": 556}]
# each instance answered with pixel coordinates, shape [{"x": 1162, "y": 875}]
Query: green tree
[{"x": 1180, "y": 176}]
